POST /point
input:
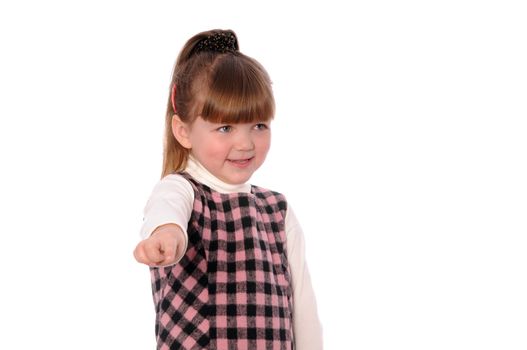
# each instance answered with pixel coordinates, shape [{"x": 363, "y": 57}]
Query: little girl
[{"x": 226, "y": 258}]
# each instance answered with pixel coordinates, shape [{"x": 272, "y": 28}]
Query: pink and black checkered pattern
[{"x": 232, "y": 288}]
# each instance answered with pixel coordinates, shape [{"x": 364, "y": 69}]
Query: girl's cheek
[
  {"x": 265, "y": 141},
  {"x": 215, "y": 149}
]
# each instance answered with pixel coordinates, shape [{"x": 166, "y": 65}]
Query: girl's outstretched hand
[{"x": 164, "y": 247}]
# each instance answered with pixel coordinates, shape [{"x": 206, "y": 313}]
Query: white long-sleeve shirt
[{"x": 171, "y": 202}]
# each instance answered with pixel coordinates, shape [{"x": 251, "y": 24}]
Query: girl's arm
[
  {"x": 166, "y": 216},
  {"x": 306, "y": 324}
]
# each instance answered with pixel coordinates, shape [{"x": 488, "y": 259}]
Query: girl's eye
[
  {"x": 225, "y": 128},
  {"x": 261, "y": 126}
]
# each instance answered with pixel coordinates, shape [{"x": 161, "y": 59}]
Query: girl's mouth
[{"x": 240, "y": 163}]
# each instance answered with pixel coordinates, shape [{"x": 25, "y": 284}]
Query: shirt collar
[{"x": 199, "y": 173}]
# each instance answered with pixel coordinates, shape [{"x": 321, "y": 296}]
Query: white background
[{"x": 400, "y": 139}]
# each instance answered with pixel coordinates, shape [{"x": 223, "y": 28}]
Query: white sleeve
[
  {"x": 306, "y": 324},
  {"x": 171, "y": 202}
]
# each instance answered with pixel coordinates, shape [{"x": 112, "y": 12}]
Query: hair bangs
[{"x": 239, "y": 92}]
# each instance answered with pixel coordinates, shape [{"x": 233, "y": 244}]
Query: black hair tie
[{"x": 218, "y": 42}]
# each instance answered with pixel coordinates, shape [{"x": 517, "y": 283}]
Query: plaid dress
[{"x": 232, "y": 289}]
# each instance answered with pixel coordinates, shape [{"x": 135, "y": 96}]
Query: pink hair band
[{"x": 173, "y": 98}]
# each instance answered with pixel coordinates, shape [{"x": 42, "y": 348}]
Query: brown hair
[{"x": 221, "y": 86}]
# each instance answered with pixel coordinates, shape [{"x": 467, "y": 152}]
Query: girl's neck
[{"x": 198, "y": 172}]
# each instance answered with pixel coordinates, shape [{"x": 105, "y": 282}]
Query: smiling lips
[{"x": 240, "y": 163}]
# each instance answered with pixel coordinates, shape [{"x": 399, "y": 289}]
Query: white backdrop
[{"x": 400, "y": 139}]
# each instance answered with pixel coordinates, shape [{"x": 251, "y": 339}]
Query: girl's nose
[{"x": 244, "y": 142}]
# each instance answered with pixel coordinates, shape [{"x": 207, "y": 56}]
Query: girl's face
[{"x": 231, "y": 152}]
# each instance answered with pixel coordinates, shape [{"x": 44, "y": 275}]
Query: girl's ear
[{"x": 180, "y": 130}]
